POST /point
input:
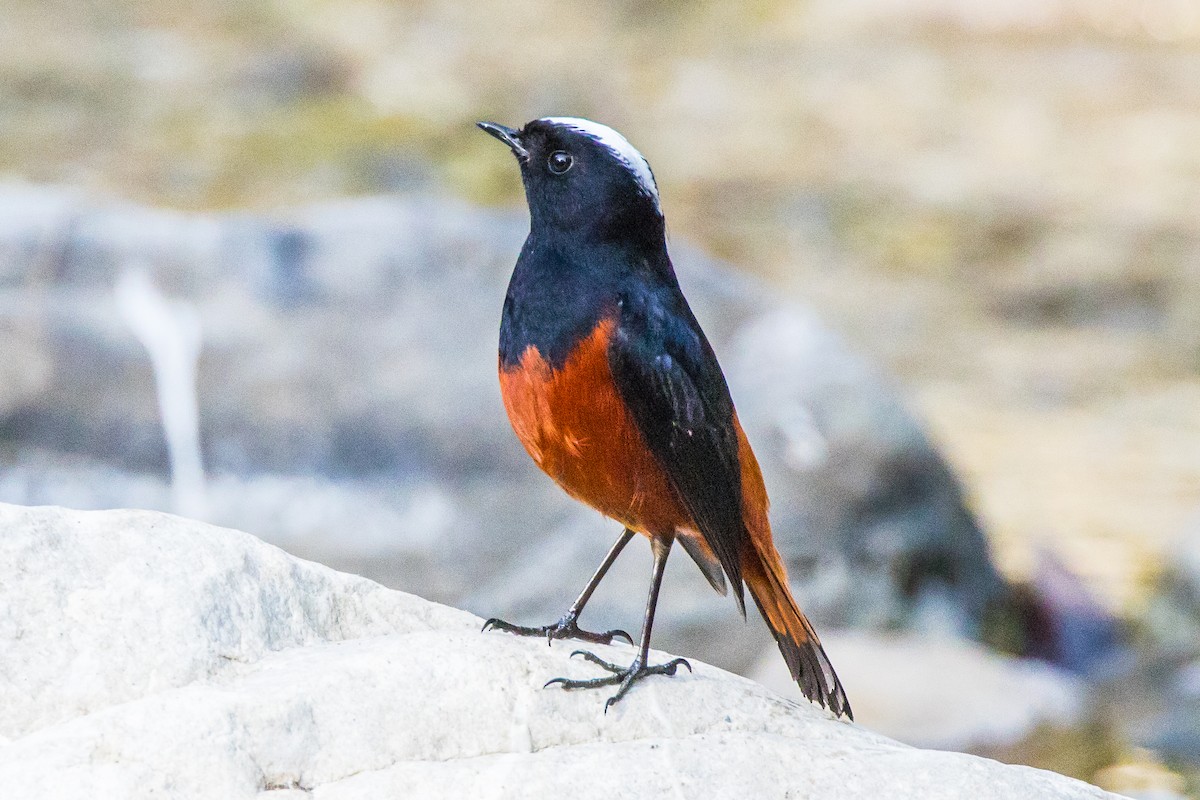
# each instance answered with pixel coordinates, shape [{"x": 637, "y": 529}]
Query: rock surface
[
  {"x": 148, "y": 655},
  {"x": 347, "y": 371}
]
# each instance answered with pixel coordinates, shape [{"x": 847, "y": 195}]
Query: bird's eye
[{"x": 559, "y": 162}]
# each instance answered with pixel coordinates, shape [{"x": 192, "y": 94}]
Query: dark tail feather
[{"x": 794, "y": 634}]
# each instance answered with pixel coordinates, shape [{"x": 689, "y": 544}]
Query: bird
[{"x": 616, "y": 394}]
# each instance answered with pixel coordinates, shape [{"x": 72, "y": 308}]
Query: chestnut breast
[{"x": 575, "y": 426}]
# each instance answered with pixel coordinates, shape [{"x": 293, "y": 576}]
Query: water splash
[{"x": 170, "y": 332}]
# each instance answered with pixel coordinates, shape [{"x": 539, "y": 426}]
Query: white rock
[{"x": 143, "y": 655}]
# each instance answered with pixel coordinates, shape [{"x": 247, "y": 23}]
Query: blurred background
[{"x": 252, "y": 257}]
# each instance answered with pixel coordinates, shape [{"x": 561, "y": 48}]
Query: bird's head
[{"x": 582, "y": 176}]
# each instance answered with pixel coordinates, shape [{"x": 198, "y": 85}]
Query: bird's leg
[
  {"x": 566, "y": 628},
  {"x": 625, "y": 677}
]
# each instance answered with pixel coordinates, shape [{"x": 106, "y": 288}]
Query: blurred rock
[
  {"x": 1066, "y": 625},
  {"x": 1172, "y": 657},
  {"x": 1173, "y": 616},
  {"x": 1176, "y": 734},
  {"x": 1142, "y": 776},
  {"x": 349, "y": 362},
  {"x": 943, "y": 693}
]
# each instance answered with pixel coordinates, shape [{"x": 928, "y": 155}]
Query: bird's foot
[
  {"x": 565, "y": 628},
  {"x": 623, "y": 676}
]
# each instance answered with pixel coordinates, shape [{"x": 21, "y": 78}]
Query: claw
[
  {"x": 625, "y": 676},
  {"x": 565, "y": 628},
  {"x": 618, "y": 632}
]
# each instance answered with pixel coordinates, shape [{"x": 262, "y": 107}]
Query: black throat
[{"x": 566, "y": 282}]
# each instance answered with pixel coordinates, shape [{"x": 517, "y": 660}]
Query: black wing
[{"x": 669, "y": 378}]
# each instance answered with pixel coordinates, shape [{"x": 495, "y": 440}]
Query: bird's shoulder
[{"x": 657, "y": 339}]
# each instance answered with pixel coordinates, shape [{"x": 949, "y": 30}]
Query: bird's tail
[{"x": 767, "y": 580}]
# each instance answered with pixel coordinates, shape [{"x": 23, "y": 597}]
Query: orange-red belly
[{"x": 576, "y": 428}]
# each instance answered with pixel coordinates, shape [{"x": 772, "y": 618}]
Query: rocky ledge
[{"x": 147, "y": 655}]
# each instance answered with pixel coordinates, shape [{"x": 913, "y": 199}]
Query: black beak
[{"x": 509, "y": 136}]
